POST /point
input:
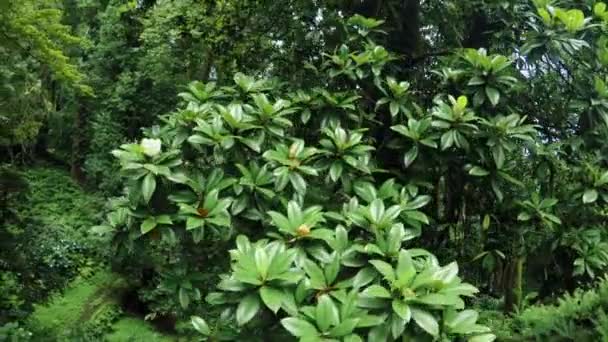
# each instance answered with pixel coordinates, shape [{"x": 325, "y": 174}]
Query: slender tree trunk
[
  {"x": 513, "y": 288},
  {"x": 11, "y": 155},
  {"x": 497, "y": 278},
  {"x": 78, "y": 145},
  {"x": 205, "y": 69}
]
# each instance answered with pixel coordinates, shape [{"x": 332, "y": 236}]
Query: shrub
[
  {"x": 324, "y": 235},
  {"x": 100, "y": 167},
  {"x": 580, "y": 316},
  {"x": 45, "y": 241}
]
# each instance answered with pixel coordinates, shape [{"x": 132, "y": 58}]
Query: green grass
[
  {"x": 78, "y": 304},
  {"x": 87, "y": 305},
  {"x": 131, "y": 329},
  {"x": 88, "y": 309}
]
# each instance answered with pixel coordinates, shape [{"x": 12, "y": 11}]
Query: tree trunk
[
  {"x": 205, "y": 69},
  {"x": 513, "y": 284},
  {"x": 79, "y": 145}
]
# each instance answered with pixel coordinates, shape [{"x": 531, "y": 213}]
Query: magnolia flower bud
[
  {"x": 151, "y": 147},
  {"x": 303, "y": 230}
]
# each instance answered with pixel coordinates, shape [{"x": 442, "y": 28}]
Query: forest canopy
[{"x": 352, "y": 170}]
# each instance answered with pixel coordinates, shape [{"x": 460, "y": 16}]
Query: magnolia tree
[{"x": 323, "y": 226}]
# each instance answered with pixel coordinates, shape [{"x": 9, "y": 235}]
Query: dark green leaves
[
  {"x": 247, "y": 309},
  {"x": 299, "y": 327},
  {"x": 426, "y": 321},
  {"x": 326, "y": 313},
  {"x": 402, "y": 309},
  {"x": 148, "y": 225},
  {"x": 200, "y": 325},
  {"x": 493, "y": 95},
  {"x": 590, "y": 196},
  {"x": 478, "y": 171},
  {"x": 148, "y": 186},
  {"x": 273, "y": 298}
]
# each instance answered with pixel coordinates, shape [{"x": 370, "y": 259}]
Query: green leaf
[
  {"x": 384, "y": 268},
  {"x": 395, "y": 238},
  {"x": 493, "y": 95},
  {"x": 194, "y": 222},
  {"x": 426, "y": 321},
  {"x": 447, "y": 139},
  {"x": 410, "y": 156},
  {"x": 394, "y": 108},
  {"x": 331, "y": 269},
  {"x": 341, "y": 241},
  {"x": 478, "y": 171},
  {"x": 298, "y": 183},
  {"x": 482, "y": 338},
  {"x": 299, "y": 327},
  {"x": 148, "y": 225},
  {"x": 272, "y": 297},
  {"x": 366, "y": 191},
  {"x": 345, "y": 328},
  {"x": 447, "y": 273},
  {"x": 103, "y": 229},
  {"x": 363, "y": 277},
  {"x": 200, "y": 325},
  {"x": 280, "y": 221},
  {"x": 486, "y": 222},
  {"x": 262, "y": 262},
  {"x": 148, "y": 186},
  {"x": 164, "y": 219},
  {"x": 418, "y": 216},
  {"x": 590, "y": 196},
  {"x": 247, "y": 309},
  {"x": 184, "y": 298},
  {"x": 405, "y": 268},
  {"x": 316, "y": 275},
  {"x": 327, "y": 314},
  {"x": 211, "y": 200},
  {"x": 376, "y": 210},
  {"x": 599, "y": 9},
  {"x": 335, "y": 171},
  {"x": 379, "y": 333},
  {"x": 475, "y": 81},
  {"x": 377, "y": 291},
  {"x": 402, "y": 309},
  {"x": 438, "y": 299},
  {"x": 462, "y": 102},
  {"x": 498, "y": 154},
  {"x": 397, "y": 325},
  {"x": 462, "y": 320}
]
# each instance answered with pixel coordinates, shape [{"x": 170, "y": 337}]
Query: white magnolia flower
[{"x": 151, "y": 147}]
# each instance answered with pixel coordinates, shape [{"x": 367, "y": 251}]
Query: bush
[
  {"x": 13, "y": 332},
  {"x": 12, "y": 185},
  {"x": 100, "y": 167},
  {"x": 45, "y": 241},
  {"x": 580, "y": 316},
  {"x": 325, "y": 236}
]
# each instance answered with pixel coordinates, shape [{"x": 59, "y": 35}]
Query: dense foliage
[
  {"x": 304, "y": 170},
  {"x": 56, "y": 219}
]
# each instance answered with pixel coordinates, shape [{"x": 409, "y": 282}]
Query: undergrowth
[
  {"x": 53, "y": 214},
  {"x": 130, "y": 329}
]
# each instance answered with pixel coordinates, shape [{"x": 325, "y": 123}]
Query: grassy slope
[
  {"x": 78, "y": 303},
  {"x": 60, "y": 204},
  {"x": 130, "y": 329},
  {"x": 88, "y": 301}
]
